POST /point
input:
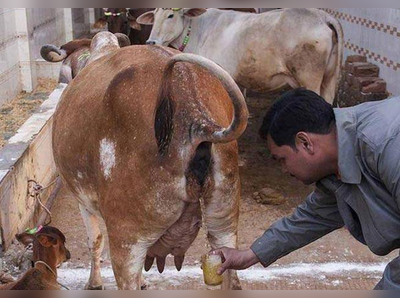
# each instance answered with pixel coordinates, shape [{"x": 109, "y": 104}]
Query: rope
[
  {"x": 63, "y": 286},
  {"x": 38, "y": 189},
  {"x": 48, "y": 267},
  {"x": 52, "y": 271}
]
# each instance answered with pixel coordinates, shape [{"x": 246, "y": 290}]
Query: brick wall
[
  {"x": 375, "y": 34},
  {"x": 361, "y": 82}
]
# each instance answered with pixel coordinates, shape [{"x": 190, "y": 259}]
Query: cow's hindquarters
[{"x": 331, "y": 81}]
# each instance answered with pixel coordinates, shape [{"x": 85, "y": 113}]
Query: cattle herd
[{"x": 150, "y": 119}]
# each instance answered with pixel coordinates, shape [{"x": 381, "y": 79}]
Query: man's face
[{"x": 301, "y": 163}]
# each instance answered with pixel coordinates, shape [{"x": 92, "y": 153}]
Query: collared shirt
[{"x": 366, "y": 199}]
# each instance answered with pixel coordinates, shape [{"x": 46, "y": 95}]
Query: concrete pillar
[
  {"x": 27, "y": 69},
  {"x": 92, "y": 18},
  {"x": 69, "y": 30}
]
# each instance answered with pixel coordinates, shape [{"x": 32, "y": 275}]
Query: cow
[
  {"x": 263, "y": 52},
  {"x": 139, "y": 137},
  {"x": 75, "y": 55},
  {"x": 123, "y": 20},
  {"x": 49, "y": 252}
]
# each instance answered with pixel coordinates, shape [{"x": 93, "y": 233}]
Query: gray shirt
[{"x": 366, "y": 200}]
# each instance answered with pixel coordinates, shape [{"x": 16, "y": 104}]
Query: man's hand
[{"x": 236, "y": 259}]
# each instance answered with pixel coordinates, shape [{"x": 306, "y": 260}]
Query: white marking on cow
[
  {"x": 218, "y": 177},
  {"x": 138, "y": 253},
  {"x": 88, "y": 199},
  {"x": 107, "y": 157},
  {"x": 80, "y": 176},
  {"x": 181, "y": 186}
]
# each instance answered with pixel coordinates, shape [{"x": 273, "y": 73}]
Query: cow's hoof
[
  {"x": 237, "y": 287},
  {"x": 96, "y": 288},
  {"x": 144, "y": 287}
]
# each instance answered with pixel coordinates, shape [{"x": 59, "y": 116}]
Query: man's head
[{"x": 301, "y": 133}]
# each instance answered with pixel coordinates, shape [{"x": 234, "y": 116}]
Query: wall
[
  {"x": 22, "y": 33},
  {"x": 81, "y": 22},
  {"x": 375, "y": 34},
  {"x": 10, "y": 82},
  {"x": 28, "y": 155}
]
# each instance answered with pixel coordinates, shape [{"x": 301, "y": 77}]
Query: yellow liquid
[{"x": 211, "y": 264}]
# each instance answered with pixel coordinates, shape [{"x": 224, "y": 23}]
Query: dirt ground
[
  {"x": 14, "y": 113},
  {"x": 337, "y": 253},
  {"x": 334, "y": 262}
]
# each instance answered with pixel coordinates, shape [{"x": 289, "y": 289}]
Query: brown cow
[
  {"x": 74, "y": 55},
  {"x": 49, "y": 252},
  {"x": 139, "y": 138},
  {"x": 123, "y": 20}
]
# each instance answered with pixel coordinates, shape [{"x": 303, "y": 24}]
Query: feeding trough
[{"x": 28, "y": 156}]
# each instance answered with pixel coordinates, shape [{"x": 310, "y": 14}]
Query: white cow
[{"x": 264, "y": 52}]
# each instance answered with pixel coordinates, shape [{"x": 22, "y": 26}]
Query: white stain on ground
[
  {"x": 171, "y": 277},
  {"x": 107, "y": 157}
]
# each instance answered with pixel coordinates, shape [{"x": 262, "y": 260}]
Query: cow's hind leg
[
  {"x": 220, "y": 239},
  {"x": 128, "y": 261},
  {"x": 222, "y": 212},
  {"x": 96, "y": 246}
]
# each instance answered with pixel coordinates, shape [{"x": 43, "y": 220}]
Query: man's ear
[
  {"x": 101, "y": 23},
  {"x": 304, "y": 141},
  {"x": 47, "y": 240},
  {"x": 146, "y": 18},
  {"x": 25, "y": 238},
  {"x": 194, "y": 12}
]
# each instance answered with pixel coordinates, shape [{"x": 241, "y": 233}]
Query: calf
[
  {"x": 75, "y": 55},
  {"x": 49, "y": 252}
]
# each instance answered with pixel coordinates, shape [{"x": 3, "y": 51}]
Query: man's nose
[{"x": 151, "y": 42}]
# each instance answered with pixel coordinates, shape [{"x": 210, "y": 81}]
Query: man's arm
[
  {"x": 388, "y": 166},
  {"x": 318, "y": 216}
]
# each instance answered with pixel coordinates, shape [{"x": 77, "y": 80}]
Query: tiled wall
[
  {"x": 374, "y": 33},
  {"x": 22, "y": 33}
]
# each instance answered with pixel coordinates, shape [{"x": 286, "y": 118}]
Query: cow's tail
[
  {"x": 203, "y": 132},
  {"x": 338, "y": 40},
  {"x": 51, "y": 53}
]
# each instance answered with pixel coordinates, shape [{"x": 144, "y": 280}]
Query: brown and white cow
[
  {"x": 139, "y": 136},
  {"x": 263, "y": 52},
  {"x": 123, "y": 20},
  {"x": 76, "y": 54}
]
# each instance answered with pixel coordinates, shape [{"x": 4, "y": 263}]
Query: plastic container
[{"x": 210, "y": 264}]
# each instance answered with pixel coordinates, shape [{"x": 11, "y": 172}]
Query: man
[{"x": 353, "y": 156}]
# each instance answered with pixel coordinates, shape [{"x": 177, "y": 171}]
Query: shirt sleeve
[
  {"x": 317, "y": 217},
  {"x": 388, "y": 167}
]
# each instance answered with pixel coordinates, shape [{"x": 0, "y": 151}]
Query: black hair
[{"x": 299, "y": 110}]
